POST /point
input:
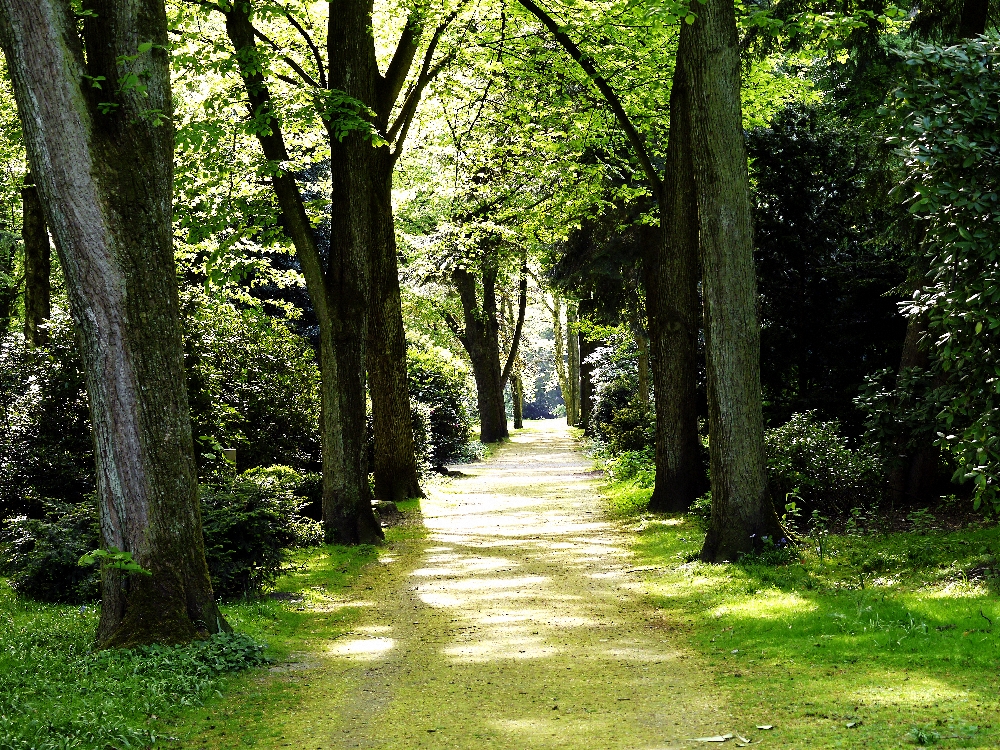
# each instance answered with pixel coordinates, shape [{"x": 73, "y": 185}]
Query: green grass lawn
[
  {"x": 56, "y": 692},
  {"x": 888, "y": 641}
]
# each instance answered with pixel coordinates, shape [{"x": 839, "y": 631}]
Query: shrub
[
  {"x": 438, "y": 381},
  {"x": 45, "y": 444},
  {"x": 249, "y": 524},
  {"x": 41, "y": 555},
  {"x": 636, "y": 466},
  {"x": 618, "y": 419},
  {"x": 809, "y": 459},
  {"x": 253, "y": 385}
]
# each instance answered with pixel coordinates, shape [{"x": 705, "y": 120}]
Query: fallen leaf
[
  {"x": 852, "y": 724},
  {"x": 765, "y": 726}
]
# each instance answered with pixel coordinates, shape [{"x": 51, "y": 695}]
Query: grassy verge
[
  {"x": 890, "y": 640},
  {"x": 55, "y": 692}
]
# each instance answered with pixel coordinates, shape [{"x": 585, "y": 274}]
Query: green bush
[
  {"x": 808, "y": 459},
  {"x": 45, "y": 445},
  {"x": 635, "y": 466},
  {"x": 41, "y": 555},
  {"x": 249, "y": 524},
  {"x": 438, "y": 382},
  {"x": 253, "y": 385}
]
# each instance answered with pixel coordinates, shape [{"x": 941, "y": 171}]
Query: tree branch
[
  {"x": 306, "y": 78},
  {"x": 633, "y": 136},
  {"x": 312, "y": 47},
  {"x": 389, "y": 85}
]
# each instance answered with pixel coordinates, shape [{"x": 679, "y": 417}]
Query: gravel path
[{"x": 518, "y": 622}]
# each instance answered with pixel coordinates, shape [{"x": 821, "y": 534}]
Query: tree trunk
[
  {"x": 395, "y": 466},
  {"x": 974, "y": 19},
  {"x": 670, "y": 275},
  {"x": 347, "y": 511},
  {"x": 742, "y": 512},
  {"x": 573, "y": 362},
  {"x": 587, "y": 347},
  {"x": 642, "y": 346},
  {"x": 558, "y": 347},
  {"x": 37, "y": 265},
  {"x": 106, "y": 186},
  {"x": 481, "y": 340},
  {"x": 517, "y": 397},
  {"x": 514, "y": 357}
]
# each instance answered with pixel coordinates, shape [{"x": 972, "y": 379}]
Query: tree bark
[
  {"x": 37, "y": 265},
  {"x": 573, "y": 362},
  {"x": 670, "y": 275},
  {"x": 335, "y": 290},
  {"x": 587, "y": 347},
  {"x": 514, "y": 357},
  {"x": 742, "y": 512},
  {"x": 106, "y": 187},
  {"x": 481, "y": 339},
  {"x": 395, "y": 464}
]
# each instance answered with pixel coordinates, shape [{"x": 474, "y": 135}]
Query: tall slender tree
[
  {"x": 742, "y": 511},
  {"x": 337, "y": 283},
  {"x": 670, "y": 264},
  {"x": 104, "y": 161}
]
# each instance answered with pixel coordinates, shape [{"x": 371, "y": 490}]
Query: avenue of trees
[{"x": 736, "y": 245}]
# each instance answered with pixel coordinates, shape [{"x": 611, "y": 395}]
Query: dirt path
[{"x": 517, "y": 623}]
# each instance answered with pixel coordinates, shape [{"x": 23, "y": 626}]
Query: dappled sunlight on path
[{"x": 518, "y": 624}]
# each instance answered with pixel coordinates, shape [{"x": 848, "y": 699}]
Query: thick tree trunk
[
  {"x": 395, "y": 463},
  {"x": 481, "y": 340},
  {"x": 37, "y": 265},
  {"x": 352, "y": 69},
  {"x": 573, "y": 362},
  {"x": 742, "y": 512},
  {"x": 106, "y": 185},
  {"x": 347, "y": 511},
  {"x": 670, "y": 275}
]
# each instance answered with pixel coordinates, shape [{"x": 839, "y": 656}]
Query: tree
[
  {"x": 104, "y": 165},
  {"x": 337, "y": 283},
  {"x": 671, "y": 275},
  {"x": 742, "y": 512}
]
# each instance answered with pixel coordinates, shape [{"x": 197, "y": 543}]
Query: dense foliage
[
  {"x": 438, "y": 391},
  {"x": 811, "y": 464},
  {"x": 249, "y": 524},
  {"x": 949, "y": 106}
]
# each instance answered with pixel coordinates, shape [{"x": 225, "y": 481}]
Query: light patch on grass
[{"x": 768, "y": 605}]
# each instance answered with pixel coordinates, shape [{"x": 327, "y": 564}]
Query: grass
[
  {"x": 56, "y": 692},
  {"x": 888, "y": 641}
]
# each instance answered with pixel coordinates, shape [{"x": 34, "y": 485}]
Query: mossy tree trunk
[
  {"x": 106, "y": 186},
  {"x": 742, "y": 512},
  {"x": 37, "y": 265},
  {"x": 336, "y": 288}
]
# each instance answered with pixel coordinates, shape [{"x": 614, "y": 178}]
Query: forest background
[{"x": 516, "y": 182}]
